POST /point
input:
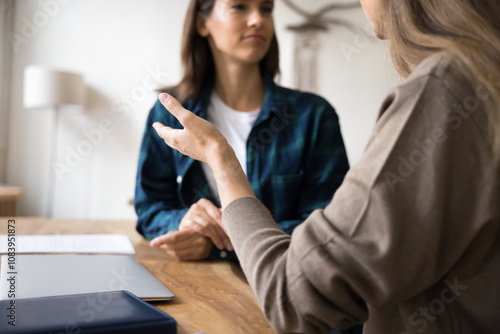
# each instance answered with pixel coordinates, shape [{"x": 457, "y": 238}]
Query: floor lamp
[{"x": 45, "y": 88}]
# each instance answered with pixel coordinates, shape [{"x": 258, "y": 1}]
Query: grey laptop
[{"x": 54, "y": 275}]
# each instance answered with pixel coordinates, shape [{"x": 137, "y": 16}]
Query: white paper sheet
[{"x": 70, "y": 243}]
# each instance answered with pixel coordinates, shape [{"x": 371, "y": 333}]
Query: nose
[{"x": 255, "y": 18}]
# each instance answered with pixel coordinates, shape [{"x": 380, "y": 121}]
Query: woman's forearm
[{"x": 231, "y": 180}]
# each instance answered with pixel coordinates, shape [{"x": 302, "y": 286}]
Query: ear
[{"x": 201, "y": 25}]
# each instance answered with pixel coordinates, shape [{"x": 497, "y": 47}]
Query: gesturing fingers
[
  {"x": 174, "y": 107},
  {"x": 169, "y": 135},
  {"x": 199, "y": 139}
]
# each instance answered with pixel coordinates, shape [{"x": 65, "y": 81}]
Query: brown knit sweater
[{"x": 410, "y": 242}]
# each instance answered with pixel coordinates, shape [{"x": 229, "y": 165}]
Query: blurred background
[{"x": 124, "y": 50}]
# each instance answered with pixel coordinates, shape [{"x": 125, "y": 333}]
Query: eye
[
  {"x": 238, "y": 7},
  {"x": 267, "y": 10}
]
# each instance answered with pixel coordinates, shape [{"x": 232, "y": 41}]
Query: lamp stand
[{"x": 54, "y": 145}]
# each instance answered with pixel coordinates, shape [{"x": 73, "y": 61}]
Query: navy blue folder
[{"x": 102, "y": 312}]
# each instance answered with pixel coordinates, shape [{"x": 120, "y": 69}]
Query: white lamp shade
[{"x": 44, "y": 87}]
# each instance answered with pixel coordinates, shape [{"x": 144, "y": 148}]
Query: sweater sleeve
[{"x": 399, "y": 223}]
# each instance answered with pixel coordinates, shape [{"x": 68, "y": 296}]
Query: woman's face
[
  {"x": 373, "y": 10},
  {"x": 239, "y": 30}
]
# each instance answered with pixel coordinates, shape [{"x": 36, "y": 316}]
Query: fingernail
[{"x": 163, "y": 97}]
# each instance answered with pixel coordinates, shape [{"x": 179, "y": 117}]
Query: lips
[{"x": 254, "y": 38}]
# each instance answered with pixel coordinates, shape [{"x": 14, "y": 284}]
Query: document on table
[{"x": 70, "y": 243}]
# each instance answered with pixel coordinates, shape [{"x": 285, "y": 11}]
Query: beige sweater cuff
[{"x": 244, "y": 216}]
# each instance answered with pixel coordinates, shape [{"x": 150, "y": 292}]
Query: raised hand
[
  {"x": 199, "y": 139},
  {"x": 202, "y": 141}
]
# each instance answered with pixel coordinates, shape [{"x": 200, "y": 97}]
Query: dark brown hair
[
  {"x": 196, "y": 56},
  {"x": 467, "y": 30}
]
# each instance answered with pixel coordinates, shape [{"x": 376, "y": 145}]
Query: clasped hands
[{"x": 199, "y": 230}]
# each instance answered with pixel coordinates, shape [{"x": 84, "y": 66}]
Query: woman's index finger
[{"x": 174, "y": 107}]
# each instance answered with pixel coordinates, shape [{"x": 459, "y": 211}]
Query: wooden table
[
  {"x": 8, "y": 200},
  {"x": 212, "y": 297}
]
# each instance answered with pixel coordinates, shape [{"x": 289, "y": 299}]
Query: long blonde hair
[{"x": 469, "y": 30}]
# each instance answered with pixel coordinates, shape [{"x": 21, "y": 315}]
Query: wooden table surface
[{"x": 212, "y": 297}]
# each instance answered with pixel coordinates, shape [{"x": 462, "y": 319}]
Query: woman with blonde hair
[{"x": 410, "y": 242}]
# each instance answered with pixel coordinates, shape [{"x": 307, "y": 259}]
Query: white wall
[
  {"x": 355, "y": 71},
  {"x": 6, "y": 13},
  {"x": 122, "y": 47}
]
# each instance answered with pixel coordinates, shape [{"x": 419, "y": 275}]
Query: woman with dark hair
[
  {"x": 410, "y": 243},
  {"x": 289, "y": 143}
]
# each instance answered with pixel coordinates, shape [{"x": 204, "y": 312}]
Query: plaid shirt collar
[{"x": 274, "y": 101}]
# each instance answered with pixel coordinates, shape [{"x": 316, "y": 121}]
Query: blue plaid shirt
[{"x": 296, "y": 160}]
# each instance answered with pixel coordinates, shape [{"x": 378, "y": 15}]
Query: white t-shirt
[{"x": 235, "y": 126}]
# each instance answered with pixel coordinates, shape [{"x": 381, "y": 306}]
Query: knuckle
[
  {"x": 174, "y": 142},
  {"x": 197, "y": 228},
  {"x": 203, "y": 222}
]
